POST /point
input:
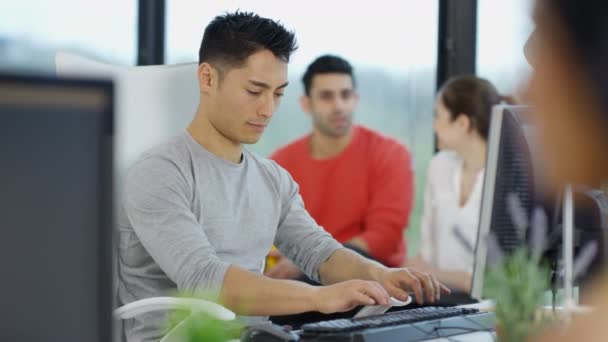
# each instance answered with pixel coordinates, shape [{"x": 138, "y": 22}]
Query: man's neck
[
  {"x": 212, "y": 140},
  {"x": 325, "y": 147}
]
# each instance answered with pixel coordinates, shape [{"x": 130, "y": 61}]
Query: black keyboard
[{"x": 407, "y": 325}]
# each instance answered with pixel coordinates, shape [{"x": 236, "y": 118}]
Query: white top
[{"x": 441, "y": 245}]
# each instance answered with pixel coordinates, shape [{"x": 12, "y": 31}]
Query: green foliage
[
  {"x": 199, "y": 327},
  {"x": 517, "y": 285},
  {"x": 193, "y": 326}
]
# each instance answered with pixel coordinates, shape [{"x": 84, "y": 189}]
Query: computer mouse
[
  {"x": 370, "y": 310},
  {"x": 268, "y": 333}
]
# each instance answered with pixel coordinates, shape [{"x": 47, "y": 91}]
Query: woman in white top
[{"x": 452, "y": 196}]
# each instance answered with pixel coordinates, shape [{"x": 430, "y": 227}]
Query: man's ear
[
  {"x": 207, "y": 77},
  {"x": 305, "y": 103}
]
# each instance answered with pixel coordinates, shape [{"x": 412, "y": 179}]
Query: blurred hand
[
  {"x": 454, "y": 279},
  {"x": 400, "y": 282},
  {"x": 345, "y": 296},
  {"x": 284, "y": 269},
  {"x": 419, "y": 264}
]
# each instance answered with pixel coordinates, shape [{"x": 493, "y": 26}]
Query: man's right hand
[{"x": 345, "y": 296}]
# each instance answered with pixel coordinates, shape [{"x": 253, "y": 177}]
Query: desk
[
  {"x": 479, "y": 336},
  {"x": 470, "y": 337}
]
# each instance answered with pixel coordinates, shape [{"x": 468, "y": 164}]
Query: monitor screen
[
  {"x": 515, "y": 167},
  {"x": 509, "y": 175},
  {"x": 55, "y": 209}
]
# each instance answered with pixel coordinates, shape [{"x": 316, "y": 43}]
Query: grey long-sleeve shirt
[{"x": 188, "y": 215}]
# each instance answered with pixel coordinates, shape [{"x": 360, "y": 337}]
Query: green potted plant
[
  {"x": 200, "y": 327},
  {"x": 517, "y": 285},
  {"x": 518, "y": 281},
  {"x": 196, "y": 326}
]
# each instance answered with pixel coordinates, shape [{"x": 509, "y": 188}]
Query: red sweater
[{"x": 366, "y": 191}]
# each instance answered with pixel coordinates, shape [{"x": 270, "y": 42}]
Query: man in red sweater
[{"x": 355, "y": 182}]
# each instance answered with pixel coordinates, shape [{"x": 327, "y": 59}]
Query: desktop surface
[{"x": 410, "y": 325}]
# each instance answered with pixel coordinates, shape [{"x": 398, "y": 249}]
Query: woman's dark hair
[
  {"x": 474, "y": 97},
  {"x": 232, "y": 37}
]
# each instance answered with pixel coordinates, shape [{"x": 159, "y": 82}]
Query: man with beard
[{"x": 355, "y": 182}]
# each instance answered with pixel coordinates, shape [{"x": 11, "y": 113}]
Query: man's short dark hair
[
  {"x": 232, "y": 37},
  {"x": 326, "y": 64}
]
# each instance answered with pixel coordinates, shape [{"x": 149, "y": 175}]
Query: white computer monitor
[{"x": 509, "y": 170}]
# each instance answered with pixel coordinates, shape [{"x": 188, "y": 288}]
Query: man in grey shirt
[{"x": 201, "y": 212}]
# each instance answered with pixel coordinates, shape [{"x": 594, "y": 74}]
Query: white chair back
[{"x": 151, "y": 104}]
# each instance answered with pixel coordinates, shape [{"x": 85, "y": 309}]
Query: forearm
[
  {"x": 345, "y": 264},
  {"x": 247, "y": 293}
]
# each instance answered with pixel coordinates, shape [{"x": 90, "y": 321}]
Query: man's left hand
[{"x": 399, "y": 282}]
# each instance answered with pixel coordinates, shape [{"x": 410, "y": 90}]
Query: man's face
[
  {"x": 331, "y": 103},
  {"x": 245, "y": 99}
]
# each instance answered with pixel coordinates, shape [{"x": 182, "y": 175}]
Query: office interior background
[{"x": 401, "y": 50}]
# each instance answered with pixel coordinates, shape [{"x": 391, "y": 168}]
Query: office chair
[
  {"x": 193, "y": 305},
  {"x": 151, "y": 104}
]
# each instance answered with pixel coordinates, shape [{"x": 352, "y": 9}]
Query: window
[
  {"x": 503, "y": 28},
  {"x": 391, "y": 44},
  {"x": 31, "y": 31}
]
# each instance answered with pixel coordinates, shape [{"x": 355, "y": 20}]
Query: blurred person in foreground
[{"x": 569, "y": 88}]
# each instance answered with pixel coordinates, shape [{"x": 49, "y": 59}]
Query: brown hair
[{"x": 474, "y": 97}]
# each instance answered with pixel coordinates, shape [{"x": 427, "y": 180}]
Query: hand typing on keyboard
[
  {"x": 378, "y": 285},
  {"x": 400, "y": 282},
  {"x": 347, "y": 295}
]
